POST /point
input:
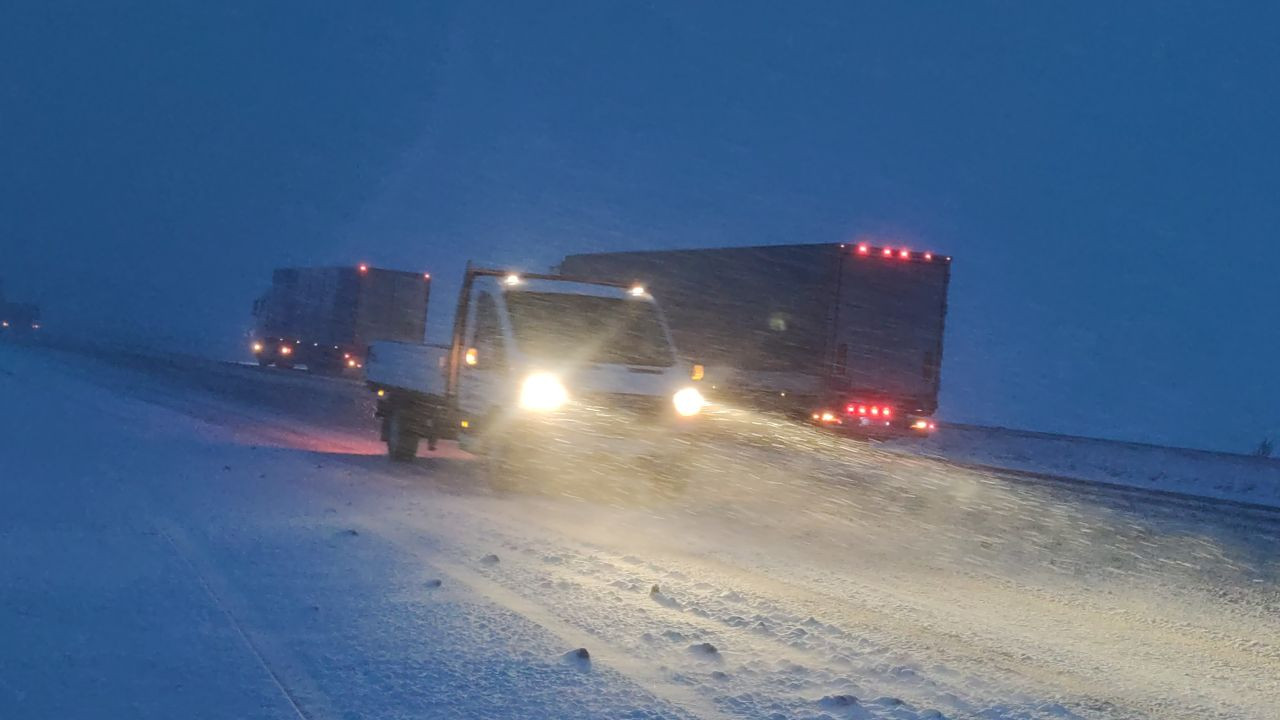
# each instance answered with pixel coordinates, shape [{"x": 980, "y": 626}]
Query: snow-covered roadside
[
  {"x": 1192, "y": 472},
  {"x": 799, "y": 579},
  {"x": 151, "y": 568}
]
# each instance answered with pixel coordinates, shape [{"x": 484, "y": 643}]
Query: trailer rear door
[{"x": 889, "y": 325}]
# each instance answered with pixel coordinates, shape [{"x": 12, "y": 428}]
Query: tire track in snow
[
  {"x": 411, "y": 540},
  {"x": 891, "y": 635},
  {"x": 275, "y": 662}
]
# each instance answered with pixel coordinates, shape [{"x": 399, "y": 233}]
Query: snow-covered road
[{"x": 213, "y": 541}]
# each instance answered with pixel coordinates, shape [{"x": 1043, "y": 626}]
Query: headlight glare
[
  {"x": 689, "y": 402},
  {"x": 542, "y": 392}
]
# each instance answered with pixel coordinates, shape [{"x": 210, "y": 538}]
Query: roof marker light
[
  {"x": 426, "y": 276},
  {"x": 904, "y": 254},
  {"x": 363, "y": 268},
  {"x": 928, "y": 256},
  {"x": 864, "y": 249},
  {"x": 887, "y": 252}
]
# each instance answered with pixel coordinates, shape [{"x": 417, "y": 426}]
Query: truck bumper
[{"x": 595, "y": 442}]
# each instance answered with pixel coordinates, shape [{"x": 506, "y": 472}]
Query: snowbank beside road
[{"x": 1223, "y": 476}]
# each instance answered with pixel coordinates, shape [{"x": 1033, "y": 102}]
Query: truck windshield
[{"x": 606, "y": 329}]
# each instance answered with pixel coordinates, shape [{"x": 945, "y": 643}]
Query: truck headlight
[
  {"x": 542, "y": 392},
  {"x": 689, "y": 402}
]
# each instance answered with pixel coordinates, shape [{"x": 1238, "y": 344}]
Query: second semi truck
[
  {"x": 325, "y": 317},
  {"x": 842, "y": 334}
]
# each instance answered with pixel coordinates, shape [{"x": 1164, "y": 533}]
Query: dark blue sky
[{"x": 1106, "y": 175}]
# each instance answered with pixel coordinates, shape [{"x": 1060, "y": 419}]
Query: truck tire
[{"x": 402, "y": 443}]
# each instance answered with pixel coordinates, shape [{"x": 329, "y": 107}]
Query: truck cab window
[{"x": 487, "y": 340}]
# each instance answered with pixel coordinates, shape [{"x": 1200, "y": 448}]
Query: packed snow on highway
[{"x": 189, "y": 539}]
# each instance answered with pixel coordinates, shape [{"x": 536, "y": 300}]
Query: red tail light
[
  {"x": 888, "y": 412},
  {"x": 875, "y": 410},
  {"x": 862, "y": 409}
]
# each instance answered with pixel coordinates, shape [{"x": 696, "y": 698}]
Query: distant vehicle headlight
[
  {"x": 542, "y": 392},
  {"x": 689, "y": 402}
]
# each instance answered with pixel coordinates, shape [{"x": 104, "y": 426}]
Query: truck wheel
[{"x": 402, "y": 443}]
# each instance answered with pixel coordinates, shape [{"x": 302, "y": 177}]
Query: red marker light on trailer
[
  {"x": 887, "y": 252},
  {"x": 862, "y": 409},
  {"x": 928, "y": 256},
  {"x": 426, "y": 276},
  {"x": 850, "y": 409},
  {"x": 904, "y": 254},
  {"x": 363, "y": 268},
  {"x": 888, "y": 412},
  {"x": 875, "y": 410},
  {"x": 864, "y": 249}
]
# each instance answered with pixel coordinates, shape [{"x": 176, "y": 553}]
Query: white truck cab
[{"x": 537, "y": 360}]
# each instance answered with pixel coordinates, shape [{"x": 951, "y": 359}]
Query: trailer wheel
[{"x": 402, "y": 443}]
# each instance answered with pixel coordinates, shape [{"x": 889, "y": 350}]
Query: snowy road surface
[{"x": 211, "y": 541}]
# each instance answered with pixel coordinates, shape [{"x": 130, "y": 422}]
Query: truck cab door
[{"x": 483, "y": 373}]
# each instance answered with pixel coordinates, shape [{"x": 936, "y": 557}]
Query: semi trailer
[
  {"x": 847, "y": 335},
  {"x": 540, "y": 365},
  {"x": 325, "y": 317}
]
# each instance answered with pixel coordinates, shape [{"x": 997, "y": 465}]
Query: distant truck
[
  {"x": 325, "y": 317},
  {"x": 18, "y": 318},
  {"x": 537, "y": 365},
  {"x": 846, "y": 335}
]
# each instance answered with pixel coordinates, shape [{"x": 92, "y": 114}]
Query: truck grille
[{"x": 635, "y": 407}]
